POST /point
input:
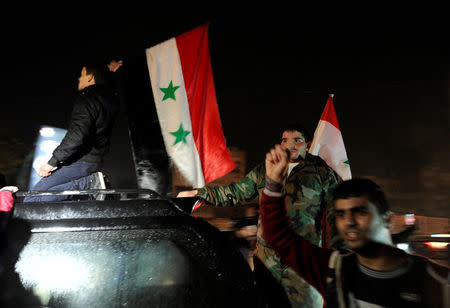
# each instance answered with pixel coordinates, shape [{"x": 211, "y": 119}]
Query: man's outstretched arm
[
  {"x": 308, "y": 260},
  {"x": 243, "y": 191}
]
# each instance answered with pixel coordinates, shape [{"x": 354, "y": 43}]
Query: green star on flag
[
  {"x": 180, "y": 134},
  {"x": 169, "y": 92}
]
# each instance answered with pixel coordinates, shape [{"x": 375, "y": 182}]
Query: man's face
[
  {"x": 358, "y": 222},
  {"x": 85, "y": 79},
  {"x": 295, "y": 143}
]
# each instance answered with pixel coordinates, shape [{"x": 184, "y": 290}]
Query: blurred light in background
[
  {"x": 437, "y": 245},
  {"x": 410, "y": 219},
  {"x": 47, "y": 131},
  {"x": 440, "y": 235}
]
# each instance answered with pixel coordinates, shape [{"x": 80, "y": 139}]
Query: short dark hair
[
  {"x": 358, "y": 187},
  {"x": 297, "y": 127},
  {"x": 101, "y": 73}
]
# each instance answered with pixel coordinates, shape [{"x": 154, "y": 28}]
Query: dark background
[{"x": 272, "y": 65}]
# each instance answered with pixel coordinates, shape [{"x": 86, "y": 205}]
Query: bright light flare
[
  {"x": 440, "y": 235},
  {"x": 403, "y": 246},
  {"x": 58, "y": 272},
  {"x": 437, "y": 245}
]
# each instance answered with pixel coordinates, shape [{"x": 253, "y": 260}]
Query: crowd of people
[
  {"x": 320, "y": 240},
  {"x": 325, "y": 241}
]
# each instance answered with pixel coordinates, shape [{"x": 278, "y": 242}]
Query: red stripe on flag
[
  {"x": 329, "y": 114},
  {"x": 193, "y": 48}
]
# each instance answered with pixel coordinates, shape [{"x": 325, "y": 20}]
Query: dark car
[{"x": 138, "y": 251}]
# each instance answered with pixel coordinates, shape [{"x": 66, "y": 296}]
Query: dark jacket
[{"x": 89, "y": 132}]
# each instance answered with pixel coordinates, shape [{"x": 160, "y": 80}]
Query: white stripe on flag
[{"x": 329, "y": 145}]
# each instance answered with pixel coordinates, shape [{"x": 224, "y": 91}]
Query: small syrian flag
[
  {"x": 328, "y": 143},
  {"x": 185, "y": 98}
]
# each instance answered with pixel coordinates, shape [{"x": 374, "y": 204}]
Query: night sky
[{"x": 390, "y": 77}]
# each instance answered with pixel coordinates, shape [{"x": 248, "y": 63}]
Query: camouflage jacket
[{"x": 307, "y": 190}]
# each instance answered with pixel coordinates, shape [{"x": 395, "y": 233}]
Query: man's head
[
  {"x": 295, "y": 138},
  {"x": 93, "y": 74},
  {"x": 362, "y": 213}
]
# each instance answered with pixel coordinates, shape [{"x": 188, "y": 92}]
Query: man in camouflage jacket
[{"x": 307, "y": 184}]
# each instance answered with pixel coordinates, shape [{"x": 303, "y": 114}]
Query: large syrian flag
[
  {"x": 185, "y": 98},
  {"x": 328, "y": 143}
]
